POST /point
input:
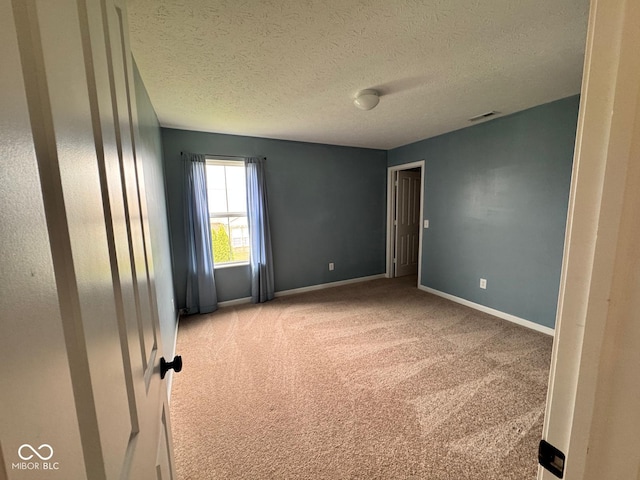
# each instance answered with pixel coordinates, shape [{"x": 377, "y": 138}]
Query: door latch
[{"x": 551, "y": 458}]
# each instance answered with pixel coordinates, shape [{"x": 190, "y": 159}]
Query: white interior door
[
  {"x": 407, "y": 223},
  {"x": 86, "y": 400}
]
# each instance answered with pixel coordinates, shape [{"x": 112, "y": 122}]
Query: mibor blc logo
[{"x": 35, "y": 458}]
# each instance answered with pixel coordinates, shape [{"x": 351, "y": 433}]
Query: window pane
[
  {"x": 239, "y": 235},
  {"x": 237, "y": 189},
  {"x": 216, "y": 189},
  {"x": 230, "y": 239},
  {"x": 221, "y": 246}
]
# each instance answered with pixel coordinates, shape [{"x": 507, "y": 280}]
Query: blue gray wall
[
  {"x": 149, "y": 151},
  {"x": 496, "y": 196},
  {"x": 327, "y": 204}
]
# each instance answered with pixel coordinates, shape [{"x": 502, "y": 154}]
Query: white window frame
[{"x": 228, "y": 163}]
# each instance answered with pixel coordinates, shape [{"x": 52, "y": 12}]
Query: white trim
[
  {"x": 175, "y": 336},
  {"x": 211, "y": 160},
  {"x": 496, "y": 313},
  {"x": 322, "y": 286},
  {"x": 592, "y": 405},
  {"x": 234, "y": 302},
  {"x": 242, "y": 263},
  {"x": 390, "y": 207},
  {"x": 173, "y": 354},
  {"x": 422, "y": 177},
  {"x": 391, "y": 182}
]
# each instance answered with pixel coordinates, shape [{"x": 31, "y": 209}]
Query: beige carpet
[{"x": 375, "y": 380}]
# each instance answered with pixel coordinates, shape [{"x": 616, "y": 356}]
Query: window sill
[{"x": 231, "y": 265}]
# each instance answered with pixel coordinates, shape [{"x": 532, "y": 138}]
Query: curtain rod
[{"x": 223, "y": 157}]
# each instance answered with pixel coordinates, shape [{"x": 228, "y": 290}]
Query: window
[{"x": 227, "y": 198}]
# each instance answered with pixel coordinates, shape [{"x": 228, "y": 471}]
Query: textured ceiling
[{"x": 290, "y": 69}]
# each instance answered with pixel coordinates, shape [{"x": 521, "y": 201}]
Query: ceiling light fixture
[{"x": 367, "y": 99}]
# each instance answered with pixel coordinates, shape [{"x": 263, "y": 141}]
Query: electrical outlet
[
  {"x": 426, "y": 224},
  {"x": 483, "y": 283},
  {"x": 331, "y": 266}
]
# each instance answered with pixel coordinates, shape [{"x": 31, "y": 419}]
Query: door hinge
[
  {"x": 394, "y": 261},
  {"x": 551, "y": 458},
  {"x": 396, "y": 184},
  {"x": 395, "y": 222}
]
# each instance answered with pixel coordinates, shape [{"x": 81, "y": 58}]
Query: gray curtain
[
  {"x": 201, "y": 289},
  {"x": 262, "y": 285}
]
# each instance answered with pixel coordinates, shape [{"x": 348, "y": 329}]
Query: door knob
[{"x": 166, "y": 366}]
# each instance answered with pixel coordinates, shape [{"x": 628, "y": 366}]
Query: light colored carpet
[{"x": 375, "y": 380}]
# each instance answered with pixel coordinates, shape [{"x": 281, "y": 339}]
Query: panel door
[
  {"x": 407, "y": 223},
  {"x": 71, "y": 65},
  {"x": 36, "y": 396}
]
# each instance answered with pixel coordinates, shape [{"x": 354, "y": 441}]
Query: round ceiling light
[{"x": 367, "y": 99}]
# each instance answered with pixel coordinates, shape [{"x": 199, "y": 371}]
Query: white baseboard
[
  {"x": 283, "y": 293},
  {"x": 322, "y": 286},
  {"x": 496, "y": 313},
  {"x": 237, "y": 301}
]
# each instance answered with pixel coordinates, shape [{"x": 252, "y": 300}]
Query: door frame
[
  {"x": 591, "y": 413},
  {"x": 391, "y": 202}
]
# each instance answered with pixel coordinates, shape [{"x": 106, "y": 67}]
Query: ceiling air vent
[{"x": 482, "y": 116}]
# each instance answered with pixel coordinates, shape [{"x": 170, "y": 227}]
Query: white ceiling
[{"x": 289, "y": 69}]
